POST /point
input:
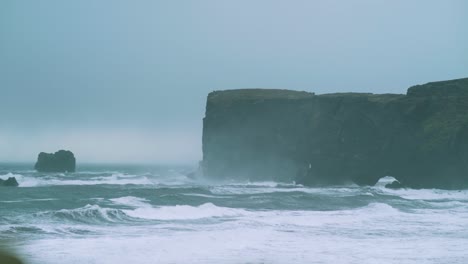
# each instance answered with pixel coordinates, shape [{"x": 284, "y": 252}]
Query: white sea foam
[
  {"x": 113, "y": 179},
  {"x": 23, "y": 181},
  {"x": 29, "y": 200},
  {"x": 131, "y": 201},
  {"x": 384, "y": 181},
  {"x": 426, "y": 226},
  {"x": 144, "y": 210},
  {"x": 207, "y": 196},
  {"x": 376, "y": 233},
  {"x": 261, "y": 184},
  {"x": 420, "y": 194},
  {"x": 116, "y": 179},
  {"x": 427, "y": 194},
  {"x": 8, "y": 175},
  {"x": 339, "y": 191},
  {"x": 184, "y": 212},
  {"x": 88, "y": 213},
  {"x": 372, "y": 214},
  {"x": 110, "y": 172}
]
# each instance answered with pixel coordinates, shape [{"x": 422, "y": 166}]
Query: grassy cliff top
[
  {"x": 458, "y": 87},
  {"x": 370, "y": 96},
  {"x": 275, "y": 94},
  {"x": 257, "y": 94},
  {"x": 451, "y": 87}
]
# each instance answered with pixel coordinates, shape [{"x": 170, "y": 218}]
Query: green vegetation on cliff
[
  {"x": 256, "y": 94},
  {"x": 420, "y": 138}
]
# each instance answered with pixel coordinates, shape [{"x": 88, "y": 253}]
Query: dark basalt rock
[
  {"x": 11, "y": 181},
  {"x": 6, "y": 258},
  {"x": 394, "y": 185},
  {"x": 60, "y": 161},
  {"x": 421, "y": 138}
]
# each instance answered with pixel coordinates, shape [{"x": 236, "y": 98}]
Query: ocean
[{"x": 156, "y": 214}]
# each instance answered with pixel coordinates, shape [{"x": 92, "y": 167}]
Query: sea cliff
[{"x": 420, "y": 138}]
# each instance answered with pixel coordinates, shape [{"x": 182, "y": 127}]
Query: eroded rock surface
[
  {"x": 60, "y": 161},
  {"x": 420, "y": 138},
  {"x": 11, "y": 181}
]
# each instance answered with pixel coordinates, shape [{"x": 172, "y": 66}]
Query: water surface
[{"x": 138, "y": 214}]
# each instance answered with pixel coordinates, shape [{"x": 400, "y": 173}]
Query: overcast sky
[{"x": 126, "y": 81}]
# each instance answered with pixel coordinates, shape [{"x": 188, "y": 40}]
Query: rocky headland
[{"x": 420, "y": 138}]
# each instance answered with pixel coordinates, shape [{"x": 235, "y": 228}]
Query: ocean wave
[
  {"x": 97, "y": 178},
  {"x": 23, "y": 181},
  {"x": 419, "y": 194},
  {"x": 207, "y": 196},
  {"x": 89, "y": 172},
  {"x": 131, "y": 201},
  {"x": 384, "y": 181},
  {"x": 371, "y": 214},
  {"x": 114, "y": 179},
  {"x": 29, "y": 200},
  {"x": 86, "y": 214},
  {"x": 117, "y": 175},
  {"x": 336, "y": 191},
  {"x": 426, "y": 194},
  {"x": 184, "y": 212},
  {"x": 381, "y": 208},
  {"x": 93, "y": 214},
  {"x": 448, "y": 204},
  {"x": 257, "y": 184},
  {"x": 41, "y": 229},
  {"x": 15, "y": 229},
  {"x": 8, "y": 175}
]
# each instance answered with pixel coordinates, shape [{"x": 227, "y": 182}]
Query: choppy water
[{"x": 118, "y": 214}]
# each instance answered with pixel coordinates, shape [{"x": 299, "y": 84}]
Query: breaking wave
[
  {"x": 184, "y": 212},
  {"x": 86, "y": 214},
  {"x": 258, "y": 222},
  {"x": 61, "y": 179}
]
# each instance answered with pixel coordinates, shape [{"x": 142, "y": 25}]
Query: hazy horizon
[{"x": 122, "y": 82}]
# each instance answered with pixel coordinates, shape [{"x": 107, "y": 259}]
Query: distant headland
[{"x": 420, "y": 138}]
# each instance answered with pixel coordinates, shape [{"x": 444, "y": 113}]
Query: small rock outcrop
[
  {"x": 11, "y": 181},
  {"x": 60, "y": 161}
]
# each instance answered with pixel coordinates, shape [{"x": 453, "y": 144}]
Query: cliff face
[{"x": 420, "y": 138}]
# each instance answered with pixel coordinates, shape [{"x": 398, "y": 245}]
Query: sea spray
[{"x": 148, "y": 215}]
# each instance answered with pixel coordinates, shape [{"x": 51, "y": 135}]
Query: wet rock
[
  {"x": 11, "y": 181},
  {"x": 420, "y": 138},
  {"x": 60, "y": 161}
]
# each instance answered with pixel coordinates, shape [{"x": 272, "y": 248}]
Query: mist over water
[
  {"x": 120, "y": 82},
  {"x": 113, "y": 144},
  {"x": 125, "y": 82},
  {"x": 134, "y": 214}
]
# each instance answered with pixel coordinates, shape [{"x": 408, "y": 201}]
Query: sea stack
[
  {"x": 60, "y": 161},
  {"x": 420, "y": 138}
]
